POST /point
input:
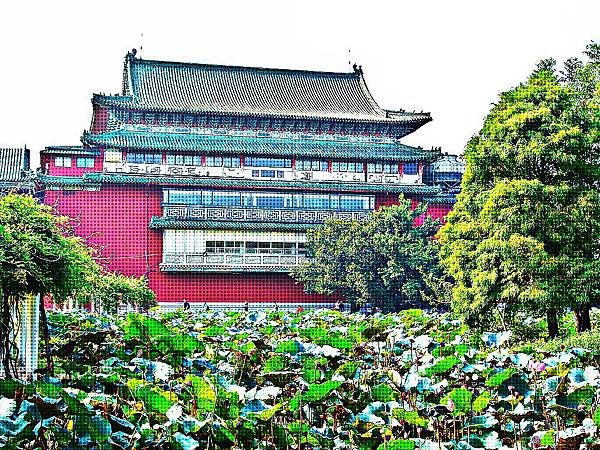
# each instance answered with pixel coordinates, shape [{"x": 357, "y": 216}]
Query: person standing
[{"x": 186, "y": 305}]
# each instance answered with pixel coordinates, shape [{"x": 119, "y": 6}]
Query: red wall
[
  {"x": 116, "y": 218},
  {"x": 73, "y": 171},
  {"x": 99, "y": 119},
  {"x": 232, "y": 287}
]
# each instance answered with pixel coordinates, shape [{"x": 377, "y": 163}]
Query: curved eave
[
  {"x": 82, "y": 151},
  {"x": 67, "y": 182},
  {"x": 440, "y": 200},
  {"x": 419, "y": 189},
  {"x": 127, "y": 102},
  {"x": 17, "y": 186},
  {"x": 257, "y": 146},
  {"x": 162, "y": 223}
]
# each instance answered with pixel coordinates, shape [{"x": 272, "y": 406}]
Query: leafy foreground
[{"x": 319, "y": 379}]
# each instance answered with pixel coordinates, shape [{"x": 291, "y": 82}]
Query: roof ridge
[{"x": 353, "y": 74}]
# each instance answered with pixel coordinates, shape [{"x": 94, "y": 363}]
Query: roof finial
[{"x": 349, "y": 58}]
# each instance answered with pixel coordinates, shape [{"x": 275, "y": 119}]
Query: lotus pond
[{"x": 313, "y": 380}]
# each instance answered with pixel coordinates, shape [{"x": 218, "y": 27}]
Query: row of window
[
  {"x": 67, "y": 161},
  {"x": 271, "y": 200},
  {"x": 254, "y": 247},
  {"x": 234, "y": 162},
  {"x": 250, "y": 161}
]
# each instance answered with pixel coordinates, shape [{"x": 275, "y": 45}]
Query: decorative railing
[
  {"x": 229, "y": 262},
  {"x": 257, "y": 214}
]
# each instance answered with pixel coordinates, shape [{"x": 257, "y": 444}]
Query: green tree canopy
[
  {"x": 523, "y": 237},
  {"x": 109, "y": 290},
  {"x": 39, "y": 254},
  {"x": 381, "y": 260}
]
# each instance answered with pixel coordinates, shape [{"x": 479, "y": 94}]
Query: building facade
[{"x": 205, "y": 178}]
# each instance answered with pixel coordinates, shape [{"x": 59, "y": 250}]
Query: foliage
[
  {"x": 38, "y": 251},
  {"x": 108, "y": 290},
  {"x": 524, "y": 236},
  {"x": 589, "y": 340},
  {"x": 38, "y": 254},
  {"x": 381, "y": 260},
  {"x": 408, "y": 380}
]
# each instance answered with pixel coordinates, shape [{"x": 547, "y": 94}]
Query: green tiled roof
[
  {"x": 70, "y": 150},
  {"x": 16, "y": 186},
  {"x": 63, "y": 181},
  {"x": 14, "y": 164},
  {"x": 258, "y": 146},
  {"x": 96, "y": 177},
  {"x": 166, "y": 223},
  {"x": 204, "y": 88}
]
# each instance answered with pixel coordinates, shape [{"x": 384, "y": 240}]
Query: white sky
[{"x": 450, "y": 58}]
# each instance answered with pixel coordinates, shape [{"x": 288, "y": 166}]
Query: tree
[
  {"x": 39, "y": 254},
  {"x": 108, "y": 290},
  {"x": 382, "y": 260},
  {"x": 524, "y": 235}
]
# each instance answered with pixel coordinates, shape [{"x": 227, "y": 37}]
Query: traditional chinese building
[
  {"x": 15, "y": 171},
  {"x": 205, "y": 178}
]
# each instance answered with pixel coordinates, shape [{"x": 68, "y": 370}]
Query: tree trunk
[
  {"x": 44, "y": 323},
  {"x": 6, "y": 336},
  {"x": 582, "y": 317},
  {"x": 552, "y": 318}
]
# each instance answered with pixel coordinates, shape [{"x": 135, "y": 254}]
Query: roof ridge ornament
[{"x": 129, "y": 57}]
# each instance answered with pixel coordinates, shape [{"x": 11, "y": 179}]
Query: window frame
[{"x": 85, "y": 162}]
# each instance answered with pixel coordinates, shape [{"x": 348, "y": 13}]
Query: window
[
  {"x": 85, "y": 162},
  {"x": 224, "y": 247},
  {"x": 252, "y": 161},
  {"x": 144, "y": 158},
  {"x": 410, "y": 168},
  {"x": 312, "y": 164},
  {"x": 113, "y": 156},
  {"x": 274, "y": 248},
  {"x": 343, "y": 166},
  {"x": 62, "y": 161},
  {"x": 376, "y": 167},
  {"x": 214, "y": 161},
  {"x": 391, "y": 168},
  {"x": 354, "y": 203},
  {"x": 226, "y": 199},
  {"x": 183, "y": 197},
  {"x": 231, "y": 161},
  {"x": 270, "y": 200},
  {"x": 184, "y": 160},
  {"x": 267, "y": 173},
  {"x": 316, "y": 201},
  {"x": 382, "y": 167}
]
